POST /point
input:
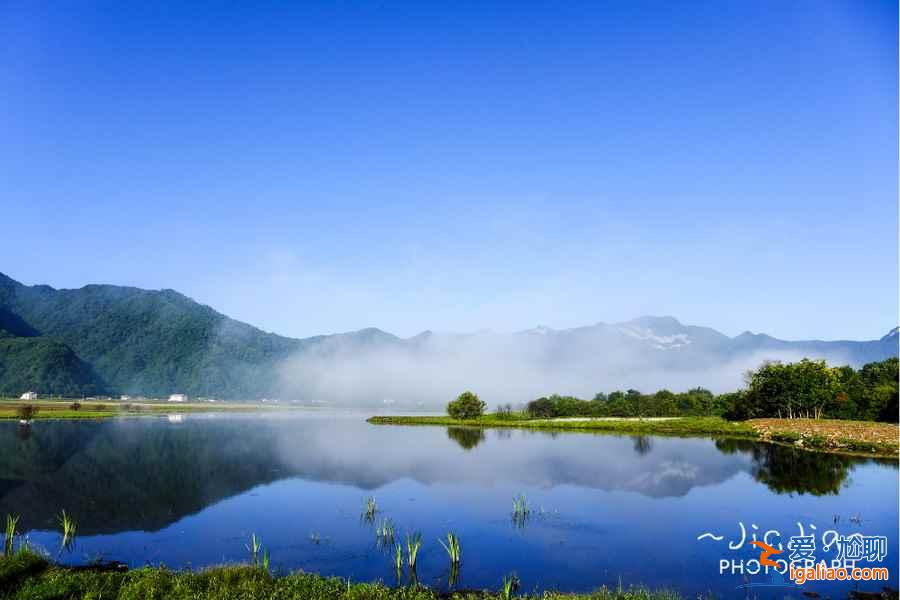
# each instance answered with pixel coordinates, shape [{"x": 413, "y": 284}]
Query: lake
[{"x": 189, "y": 492}]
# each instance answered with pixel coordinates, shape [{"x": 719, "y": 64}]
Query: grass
[
  {"x": 370, "y": 508},
  {"x": 28, "y": 575},
  {"x": 678, "y": 426},
  {"x": 69, "y": 527},
  {"x": 64, "y": 409},
  {"x": 413, "y": 544},
  {"x": 520, "y": 510},
  {"x": 453, "y": 548},
  {"x": 10, "y": 534},
  {"x": 254, "y": 548},
  {"x": 879, "y": 439},
  {"x": 384, "y": 534}
]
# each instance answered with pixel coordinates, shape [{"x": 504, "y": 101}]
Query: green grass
[
  {"x": 28, "y": 575},
  {"x": 62, "y": 409},
  {"x": 678, "y": 426}
]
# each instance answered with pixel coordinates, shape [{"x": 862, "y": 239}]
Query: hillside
[
  {"x": 124, "y": 340},
  {"x": 136, "y": 341}
]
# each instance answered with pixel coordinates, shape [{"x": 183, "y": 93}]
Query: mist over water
[{"x": 513, "y": 369}]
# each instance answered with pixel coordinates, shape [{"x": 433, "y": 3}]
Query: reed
[
  {"x": 398, "y": 558},
  {"x": 520, "y": 510},
  {"x": 384, "y": 534},
  {"x": 11, "y": 523},
  {"x": 510, "y": 585},
  {"x": 453, "y": 548},
  {"x": 370, "y": 509},
  {"x": 413, "y": 544},
  {"x": 254, "y": 548},
  {"x": 69, "y": 527}
]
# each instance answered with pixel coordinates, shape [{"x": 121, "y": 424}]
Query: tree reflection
[
  {"x": 466, "y": 437},
  {"x": 642, "y": 444},
  {"x": 786, "y": 469}
]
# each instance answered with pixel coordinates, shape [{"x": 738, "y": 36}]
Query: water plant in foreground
[
  {"x": 398, "y": 561},
  {"x": 254, "y": 548},
  {"x": 11, "y": 522},
  {"x": 371, "y": 507},
  {"x": 384, "y": 534},
  {"x": 29, "y": 574},
  {"x": 413, "y": 543},
  {"x": 510, "y": 586},
  {"x": 68, "y": 525},
  {"x": 453, "y": 548},
  {"x": 520, "y": 510}
]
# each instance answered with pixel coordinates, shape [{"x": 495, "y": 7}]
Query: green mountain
[
  {"x": 124, "y": 340},
  {"x": 103, "y": 338}
]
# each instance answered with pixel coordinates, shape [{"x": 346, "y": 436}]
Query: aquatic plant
[
  {"x": 520, "y": 510},
  {"x": 452, "y": 547},
  {"x": 11, "y": 522},
  {"x": 68, "y": 528},
  {"x": 384, "y": 533},
  {"x": 370, "y": 509},
  {"x": 413, "y": 544},
  {"x": 398, "y": 559},
  {"x": 254, "y": 548},
  {"x": 510, "y": 585},
  {"x": 265, "y": 560}
]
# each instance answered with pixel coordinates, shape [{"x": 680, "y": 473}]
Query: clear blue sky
[{"x": 329, "y": 166}]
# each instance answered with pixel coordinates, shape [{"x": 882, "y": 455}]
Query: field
[
  {"x": 858, "y": 437},
  {"x": 99, "y": 409}
]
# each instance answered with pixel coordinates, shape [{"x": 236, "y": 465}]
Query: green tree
[{"x": 467, "y": 406}]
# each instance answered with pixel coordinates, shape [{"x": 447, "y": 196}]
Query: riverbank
[
  {"x": 827, "y": 435},
  {"x": 98, "y": 409},
  {"x": 27, "y": 574}
]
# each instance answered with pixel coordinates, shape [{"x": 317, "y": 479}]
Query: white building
[
  {"x": 124, "y": 398},
  {"x": 28, "y": 396},
  {"x": 178, "y": 398}
]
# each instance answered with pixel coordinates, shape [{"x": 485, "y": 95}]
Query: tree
[
  {"x": 467, "y": 406},
  {"x": 542, "y": 408},
  {"x": 27, "y": 412}
]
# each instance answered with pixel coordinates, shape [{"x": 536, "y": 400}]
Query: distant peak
[
  {"x": 892, "y": 334},
  {"x": 656, "y": 321},
  {"x": 539, "y": 330}
]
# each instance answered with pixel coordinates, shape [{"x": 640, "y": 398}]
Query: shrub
[
  {"x": 75, "y": 405},
  {"x": 27, "y": 411},
  {"x": 466, "y": 406},
  {"x": 542, "y": 408}
]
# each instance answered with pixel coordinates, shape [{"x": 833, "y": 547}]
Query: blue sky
[{"x": 329, "y": 166}]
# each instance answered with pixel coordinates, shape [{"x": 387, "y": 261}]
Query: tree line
[{"x": 809, "y": 389}]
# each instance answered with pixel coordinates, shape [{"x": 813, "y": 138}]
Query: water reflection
[
  {"x": 144, "y": 474},
  {"x": 466, "y": 437},
  {"x": 786, "y": 469}
]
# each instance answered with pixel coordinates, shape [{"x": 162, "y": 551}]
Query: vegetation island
[{"x": 807, "y": 404}]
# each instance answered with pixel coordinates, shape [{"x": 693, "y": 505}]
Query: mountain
[{"x": 112, "y": 339}]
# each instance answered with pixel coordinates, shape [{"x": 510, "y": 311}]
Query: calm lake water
[{"x": 190, "y": 491}]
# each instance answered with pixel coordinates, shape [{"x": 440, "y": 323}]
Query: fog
[{"x": 428, "y": 370}]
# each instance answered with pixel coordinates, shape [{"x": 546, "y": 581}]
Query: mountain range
[{"x": 105, "y": 339}]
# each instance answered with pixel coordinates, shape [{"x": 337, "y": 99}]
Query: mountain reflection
[{"x": 146, "y": 473}]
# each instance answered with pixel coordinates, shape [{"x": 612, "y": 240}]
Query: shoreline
[
  {"x": 27, "y": 574},
  {"x": 858, "y": 438}
]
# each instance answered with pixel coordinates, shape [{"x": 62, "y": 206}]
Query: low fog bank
[{"x": 427, "y": 372}]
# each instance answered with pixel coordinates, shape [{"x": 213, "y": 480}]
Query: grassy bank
[
  {"x": 858, "y": 437},
  {"x": 27, "y": 574},
  {"x": 62, "y": 409}
]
